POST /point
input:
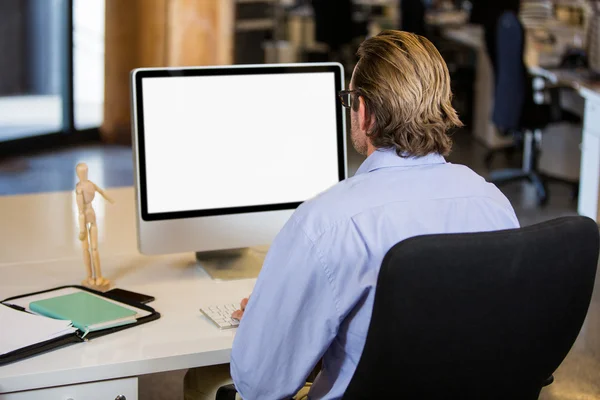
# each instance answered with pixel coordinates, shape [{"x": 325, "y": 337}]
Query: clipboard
[{"x": 77, "y": 336}]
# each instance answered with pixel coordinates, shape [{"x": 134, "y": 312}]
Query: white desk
[
  {"x": 589, "y": 171},
  {"x": 40, "y": 250}
]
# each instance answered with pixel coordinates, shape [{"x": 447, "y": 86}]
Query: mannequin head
[{"x": 82, "y": 171}]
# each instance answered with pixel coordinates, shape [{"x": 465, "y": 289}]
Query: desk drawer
[{"x": 106, "y": 390}]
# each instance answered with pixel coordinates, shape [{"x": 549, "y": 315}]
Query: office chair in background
[
  {"x": 478, "y": 316},
  {"x": 334, "y": 35},
  {"x": 524, "y": 105},
  {"x": 412, "y": 13},
  {"x": 486, "y": 13},
  {"x": 337, "y": 36}
]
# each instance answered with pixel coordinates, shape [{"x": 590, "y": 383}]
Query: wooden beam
[
  {"x": 200, "y": 33},
  {"x": 157, "y": 33}
]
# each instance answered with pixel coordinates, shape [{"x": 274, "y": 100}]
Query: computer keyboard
[{"x": 221, "y": 315}]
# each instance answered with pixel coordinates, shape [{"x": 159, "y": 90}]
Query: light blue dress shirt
[{"x": 314, "y": 296}]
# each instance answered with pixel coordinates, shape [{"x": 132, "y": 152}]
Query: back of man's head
[{"x": 405, "y": 85}]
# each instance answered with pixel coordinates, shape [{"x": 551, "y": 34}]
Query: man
[{"x": 314, "y": 296}]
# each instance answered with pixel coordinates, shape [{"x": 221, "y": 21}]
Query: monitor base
[{"x": 233, "y": 264}]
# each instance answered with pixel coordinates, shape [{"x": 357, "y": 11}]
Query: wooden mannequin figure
[{"x": 88, "y": 230}]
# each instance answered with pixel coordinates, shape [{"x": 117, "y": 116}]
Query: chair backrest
[
  {"x": 513, "y": 88},
  {"x": 478, "y": 315}
]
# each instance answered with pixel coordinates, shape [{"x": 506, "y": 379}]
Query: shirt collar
[{"x": 387, "y": 158}]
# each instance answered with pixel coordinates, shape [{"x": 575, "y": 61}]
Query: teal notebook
[{"x": 87, "y": 312}]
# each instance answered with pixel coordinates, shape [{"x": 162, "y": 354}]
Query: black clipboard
[{"x": 76, "y": 337}]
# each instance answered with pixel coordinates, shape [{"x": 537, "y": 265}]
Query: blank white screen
[{"x": 239, "y": 140}]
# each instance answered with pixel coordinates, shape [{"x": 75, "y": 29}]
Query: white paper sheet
[{"x": 20, "y": 329}]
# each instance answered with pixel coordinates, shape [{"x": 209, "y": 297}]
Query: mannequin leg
[
  {"x": 87, "y": 259},
  {"x": 100, "y": 281}
]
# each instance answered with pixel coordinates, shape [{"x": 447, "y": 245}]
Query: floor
[
  {"x": 109, "y": 166},
  {"x": 578, "y": 378}
]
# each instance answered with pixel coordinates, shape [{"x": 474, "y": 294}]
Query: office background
[{"x": 64, "y": 93}]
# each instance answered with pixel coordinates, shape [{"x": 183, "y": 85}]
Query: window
[
  {"x": 32, "y": 62},
  {"x": 51, "y": 69},
  {"x": 88, "y": 62}
]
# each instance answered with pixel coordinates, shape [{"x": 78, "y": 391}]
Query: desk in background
[
  {"x": 483, "y": 129},
  {"x": 485, "y": 132},
  {"x": 108, "y": 366},
  {"x": 446, "y": 18},
  {"x": 589, "y": 187},
  {"x": 472, "y": 36}
]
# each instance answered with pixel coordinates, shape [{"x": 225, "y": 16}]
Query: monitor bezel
[{"x": 138, "y": 125}]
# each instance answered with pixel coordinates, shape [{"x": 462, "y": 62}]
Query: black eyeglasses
[{"x": 346, "y": 97}]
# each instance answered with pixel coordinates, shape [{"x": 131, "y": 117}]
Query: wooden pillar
[
  {"x": 201, "y": 32},
  {"x": 156, "y": 33}
]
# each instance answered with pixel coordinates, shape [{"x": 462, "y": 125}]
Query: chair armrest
[
  {"x": 547, "y": 91},
  {"x": 559, "y": 86},
  {"x": 226, "y": 392},
  {"x": 555, "y": 83}
]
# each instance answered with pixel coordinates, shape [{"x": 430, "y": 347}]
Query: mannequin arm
[{"x": 103, "y": 194}]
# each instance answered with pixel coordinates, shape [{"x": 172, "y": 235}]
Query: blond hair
[{"x": 405, "y": 85}]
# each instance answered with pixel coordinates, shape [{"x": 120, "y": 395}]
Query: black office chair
[
  {"x": 482, "y": 316},
  {"x": 524, "y": 105}
]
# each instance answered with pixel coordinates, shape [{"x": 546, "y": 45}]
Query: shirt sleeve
[{"x": 289, "y": 322}]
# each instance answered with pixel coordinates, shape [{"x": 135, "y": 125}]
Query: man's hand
[
  {"x": 238, "y": 314},
  {"x": 82, "y": 236}
]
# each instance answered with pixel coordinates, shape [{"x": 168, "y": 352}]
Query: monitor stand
[{"x": 233, "y": 264}]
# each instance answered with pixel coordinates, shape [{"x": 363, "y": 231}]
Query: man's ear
[{"x": 364, "y": 118}]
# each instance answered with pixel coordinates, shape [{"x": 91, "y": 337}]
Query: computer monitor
[{"x": 223, "y": 155}]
